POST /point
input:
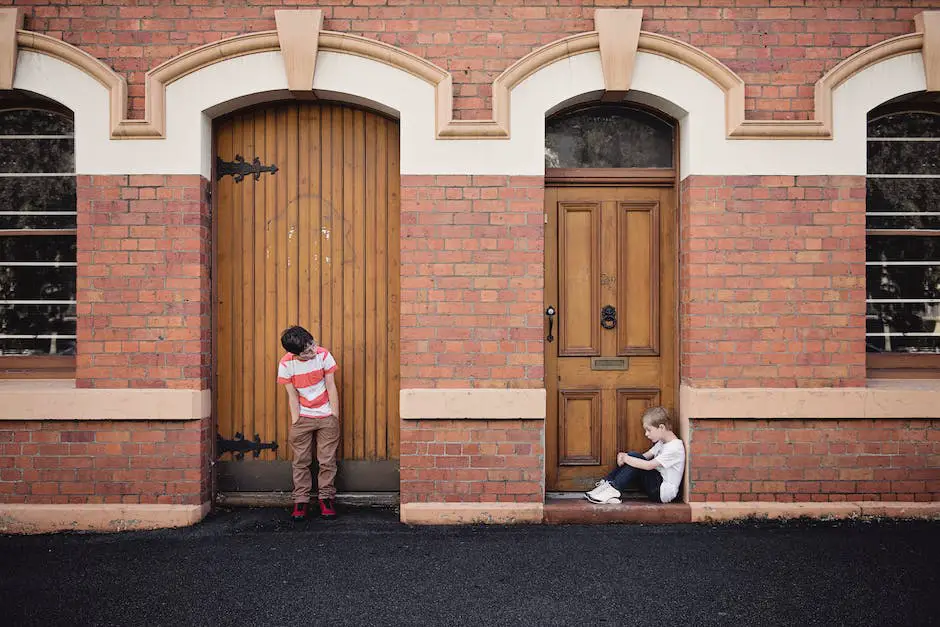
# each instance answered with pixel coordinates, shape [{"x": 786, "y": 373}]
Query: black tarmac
[{"x": 256, "y": 567}]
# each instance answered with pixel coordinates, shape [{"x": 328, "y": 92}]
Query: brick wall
[
  {"x": 815, "y": 460},
  {"x": 105, "y": 462},
  {"x": 143, "y": 282},
  {"x": 773, "y": 281},
  {"x": 472, "y": 461},
  {"x": 471, "y": 281},
  {"x": 779, "y": 48}
]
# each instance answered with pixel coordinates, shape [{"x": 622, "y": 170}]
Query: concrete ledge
[
  {"x": 30, "y": 519},
  {"x": 881, "y": 399},
  {"x": 470, "y": 513},
  {"x": 707, "y": 512},
  {"x": 473, "y": 404},
  {"x": 59, "y": 399}
]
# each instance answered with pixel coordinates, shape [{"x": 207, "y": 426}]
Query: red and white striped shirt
[{"x": 309, "y": 378}]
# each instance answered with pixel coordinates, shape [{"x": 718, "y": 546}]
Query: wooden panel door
[
  {"x": 314, "y": 243},
  {"x": 608, "y": 250}
]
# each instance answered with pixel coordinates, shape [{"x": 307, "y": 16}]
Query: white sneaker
[
  {"x": 605, "y": 493},
  {"x": 597, "y": 488}
]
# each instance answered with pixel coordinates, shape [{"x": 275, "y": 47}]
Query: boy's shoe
[
  {"x": 300, "y": 511},
  {"x": 605, "y": 493},
  {"x": 598, "y": 488},
  {"x": 327, "y": 508}
]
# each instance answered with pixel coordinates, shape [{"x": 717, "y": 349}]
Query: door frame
[{"x": 606, "y": 177}]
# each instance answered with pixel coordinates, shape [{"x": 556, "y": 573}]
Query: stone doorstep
[{"x": 574, "y": 509}]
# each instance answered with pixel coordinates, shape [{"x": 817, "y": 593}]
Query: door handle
[{"x": 550, "y": 312}]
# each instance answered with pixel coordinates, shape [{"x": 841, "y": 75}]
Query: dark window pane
[
  {"x": 37, "y": 194},
  {"x": 902, "y": 248},
  {"x": 44, "y": 346},
  {"x": 37, "y": 283},
  {"x": 916, "y": 124},
  {"x": 33, "y": 122},
  {"x": 37, "y": 320},
  {"x": 883, "y": 281},
  {"x": 37, "y": 155},
  {"x": 903, "y": 328},
  {"x": 903, "y": 157},
  {"x": 903, "y": 196},
  {"x": 608, "y": 137},
  {"x": 37, "y": 248}
]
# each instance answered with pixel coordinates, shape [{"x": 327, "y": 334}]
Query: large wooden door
[
  {"x": 607, "y": 247},
  {"x": 313, "y": 243}
]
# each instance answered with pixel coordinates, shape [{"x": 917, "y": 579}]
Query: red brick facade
[
  {"x": 471, "y": 281},
  {"x": 146, "y": 462},
  {"x": 780, "y": 48},
  {"x": 456, "y": 461},
  {"x": 773, "y": 281},
  {"x": 815, "y": 460},
  {"x": 143, "y": 282}
]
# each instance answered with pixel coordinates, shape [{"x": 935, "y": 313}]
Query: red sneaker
[
  {"x": 300, "y": 511},
  {"x": 327, "y": 508}
]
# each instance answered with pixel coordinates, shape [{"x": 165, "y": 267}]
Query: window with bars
[
  {"x": 37, "y": 240},
  {"x": 903, "y": 239}
]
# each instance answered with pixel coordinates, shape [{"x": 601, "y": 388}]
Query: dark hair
[{"x": 296, "y": 340}]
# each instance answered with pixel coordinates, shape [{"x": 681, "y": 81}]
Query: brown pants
[{"x": 302, "y": 434}]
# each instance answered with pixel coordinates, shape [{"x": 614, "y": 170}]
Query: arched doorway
[
  {"x": 306, "y": 232},
  {"x": 610, "y": 285}
]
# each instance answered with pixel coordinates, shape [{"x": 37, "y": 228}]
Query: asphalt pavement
[{"x": 256, "y": 567}]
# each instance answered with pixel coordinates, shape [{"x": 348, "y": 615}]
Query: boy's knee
[{"x": 636, "y": 455}]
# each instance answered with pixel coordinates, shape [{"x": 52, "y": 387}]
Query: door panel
[
  {"x": 315, "y": 244},
  {"x": 607, "y": 247},
  {"x": 578, "y": 275}
]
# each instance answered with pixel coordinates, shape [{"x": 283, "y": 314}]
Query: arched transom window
[
  {"x": 903, "y": 238},
  {"x": 609, "y": 136}
]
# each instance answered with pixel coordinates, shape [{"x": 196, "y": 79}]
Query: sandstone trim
[{"x": 39, "y": 518}]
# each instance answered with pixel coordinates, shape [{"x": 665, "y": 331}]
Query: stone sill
[{"x": 59, "y": 399}]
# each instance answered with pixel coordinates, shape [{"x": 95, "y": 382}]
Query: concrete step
[{"x": 572, "y": 508}]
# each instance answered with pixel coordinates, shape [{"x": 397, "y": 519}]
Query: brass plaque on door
[{"x": 609, "y": 363}]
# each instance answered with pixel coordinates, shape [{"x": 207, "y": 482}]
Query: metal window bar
[
  {"x": 902, "y": 335},
  {"x": 38, "y": 302},
  {"x": 903, "y": 176},
  {"x": 45, "y": 336},
  {"x": 902, "y": 300},
  {"x": 902, "y": 263},
  {"x": 903, "y": 139},
  {"x": 75, "y": 213},
  {"x": 8, "y": 175},
  {"x": 65, "y": 136},
  {"x": 39, "y": 264}
]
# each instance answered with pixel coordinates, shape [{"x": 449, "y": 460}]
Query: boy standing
[
  {"x": 306, "y": 372},
  {"x": 658, "y": 470}
]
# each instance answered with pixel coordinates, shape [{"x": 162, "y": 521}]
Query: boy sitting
[{"x": 658, "y": 470}]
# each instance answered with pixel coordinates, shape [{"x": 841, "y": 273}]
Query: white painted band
[
  {"x": 473, "y": 404},
  {"x": 59, "y": 399},
  {"x": 678, "y": 90}
]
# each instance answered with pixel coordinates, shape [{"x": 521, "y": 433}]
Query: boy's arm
[
  {"x": 293, "y": 402},
  {"x": 642, "y": 464},
  {"x": 333, "y": 393}
]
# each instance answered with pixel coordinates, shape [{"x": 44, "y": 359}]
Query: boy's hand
[{"x": 621, "y": 459}]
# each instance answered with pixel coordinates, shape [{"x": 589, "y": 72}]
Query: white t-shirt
[{"x": 671, "y": 457}]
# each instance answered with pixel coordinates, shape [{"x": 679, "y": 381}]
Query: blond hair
[{"x": 657, "y": 417}]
